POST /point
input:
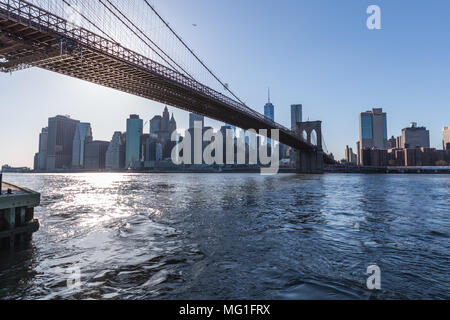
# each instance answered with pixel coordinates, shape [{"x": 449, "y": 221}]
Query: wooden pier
[{"x": 17, "y": 223}]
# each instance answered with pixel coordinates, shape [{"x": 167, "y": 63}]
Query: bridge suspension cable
[
  {"x": 146, "y": 37},
  {"x": 138, "y": 26},
  {"x": 225, "y": 86},
  {"x": 88, "y": 20}
]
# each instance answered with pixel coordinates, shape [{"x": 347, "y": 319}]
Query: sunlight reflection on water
[{"x": 186, "y": 236}]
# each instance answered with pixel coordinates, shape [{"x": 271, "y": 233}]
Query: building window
[
  {"x": 366, "y": 127},
  {"x": 385, "y": 126}
]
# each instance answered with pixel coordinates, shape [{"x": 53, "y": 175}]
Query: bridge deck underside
[{"x": 24, "y": 45}]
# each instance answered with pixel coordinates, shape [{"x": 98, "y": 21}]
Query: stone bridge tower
[{"x": 310, "y": 161}]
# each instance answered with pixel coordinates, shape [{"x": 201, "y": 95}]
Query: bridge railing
[{"x": 40, "y": 19}]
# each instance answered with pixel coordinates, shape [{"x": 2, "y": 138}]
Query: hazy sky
[{"x": 318, "y": 53}]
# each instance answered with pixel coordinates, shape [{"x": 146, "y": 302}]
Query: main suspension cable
[
  {"x": 143, "y": 33},
  {"x": 88, "y": 20},
  {"x": 225, "y": 86}
]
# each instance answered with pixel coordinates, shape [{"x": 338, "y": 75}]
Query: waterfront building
[
  {"x": 61, "y": 130},
  {"x": 415, "y": 137},
  {"x": 36, "y": 162},
  {"x": 373, "y": 130},
  {"x": 172, "y": 126},
  {"x": 350, "y": 157},
  {"x": 399, "y": 142},
  {"x": 163, "y": 132},
  {"x": 374, "y": 157},
  {"x": 416, "y": 157},
  {"x": 83, "y": 135},
  {"x": 155, "y": 125},
  {"x": 358, "y": 153},
  {"x": 115, "y": 155},
  {"x": 396, "y": 157},
  {"x": 42, "y": 154},
  {"x": 162, "y": 128},
  {"x": 135, "y": 127},
  {"x": 392, "y": 143},
  {"x": 446, "y": 138},
  {"x": 413, "y": 157},
  {"x": 95, "y": 155},
  {"x": 152, "y": 151}
]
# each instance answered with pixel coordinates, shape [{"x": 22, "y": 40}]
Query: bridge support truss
[{"x": 310, "y": 161}]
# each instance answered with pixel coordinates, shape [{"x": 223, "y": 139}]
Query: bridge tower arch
[{"x": 310, "y": 161}]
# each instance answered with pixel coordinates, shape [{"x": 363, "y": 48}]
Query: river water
[{"x": 233, "y": 236}]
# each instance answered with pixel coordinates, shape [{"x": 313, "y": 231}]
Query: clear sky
[{"x": 318, "y": 53}]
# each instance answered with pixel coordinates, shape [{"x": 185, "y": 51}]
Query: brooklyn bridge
[{"x": 129, "y": 46}]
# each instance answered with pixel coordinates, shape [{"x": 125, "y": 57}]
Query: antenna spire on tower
[{"x": 268, "y": 91}]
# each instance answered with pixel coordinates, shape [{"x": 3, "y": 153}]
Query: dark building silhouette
[
  {"x": 42, "y": 154},
  {"x": 161, "y": 128},
  {"x": 152, "y": 151},
  {"x": 416, "y": 157},
  {"x": 61, "y": 131},
  {"x": 36, "y": 162},
  {"x": 83, "y": 135},
  {"x": 374, "y": 157},
  {"x": 115, "y": 156},
  {"x": 95, "y": 155},
  {"x": 392, "y": 143},
  {"x": 133, "y": 145}
]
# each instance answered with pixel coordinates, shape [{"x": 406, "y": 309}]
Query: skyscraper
[
  {"x": 373, "y": 130},
  {"x": 95, "y": 155},
  {"x": 269, "y": 113},
  {"x": 135, "y": 126},
  {"x": 269, "y": 109},
  {"x": 160, "y": 126},
  {"x": 350, "y": 157},
  {"x": 155, "y": 126},
  {"x": 296, "y": 115},
  {"x": 415, "y": 137},
  {"x": 115, "y": 155},
  {"x": 172, "y": 126},
  {"x": 61, "y": 130},
  {"x": 83, "y": 135},
  {"x": 42, "y": 154},
  {"x": 164, "y": 134},
  {"x": 446, "y": 138},
  {"x": 152, "y": 151}
]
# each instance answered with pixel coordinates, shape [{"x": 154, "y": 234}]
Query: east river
[{"x": 233, "y": 236}]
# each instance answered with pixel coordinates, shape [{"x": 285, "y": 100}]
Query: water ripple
[{"x": 190, "y": 236}]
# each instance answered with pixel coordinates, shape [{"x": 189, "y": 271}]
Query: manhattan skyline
[{"x": 331, "y": 64}]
